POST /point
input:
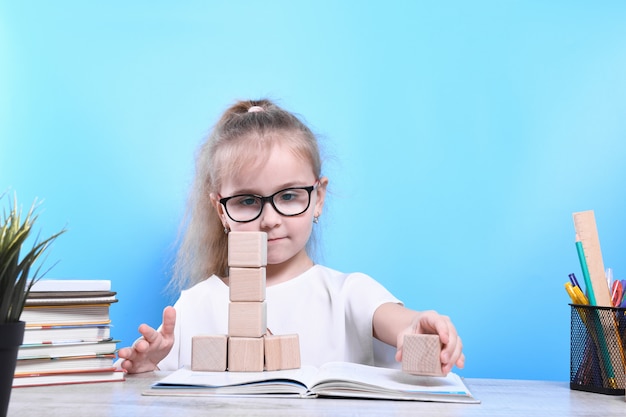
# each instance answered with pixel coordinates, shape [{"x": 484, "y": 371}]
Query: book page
[
  {"x": 287, "y": 381},
  {"x": 337, "y": 377}
]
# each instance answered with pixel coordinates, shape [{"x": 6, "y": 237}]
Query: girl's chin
[
  {"x": 282, "y": 260},
  {"x": 276, "y": 261}
]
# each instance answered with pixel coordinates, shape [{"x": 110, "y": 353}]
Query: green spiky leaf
[{"x": 15, "y": 265}]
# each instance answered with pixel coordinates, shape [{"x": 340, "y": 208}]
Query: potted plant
[{"x": 17, "y": 277}]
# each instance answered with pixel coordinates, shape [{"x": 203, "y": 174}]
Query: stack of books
[{"x": 68, "y": 334}]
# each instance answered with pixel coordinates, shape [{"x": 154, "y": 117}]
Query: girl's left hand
[{"x": 431, "y": 322}]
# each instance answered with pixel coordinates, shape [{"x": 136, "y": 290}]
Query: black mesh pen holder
[{"x": 597, "y": 341}]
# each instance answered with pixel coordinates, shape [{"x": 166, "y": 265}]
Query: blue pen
[{"x": 573, "y": 280}]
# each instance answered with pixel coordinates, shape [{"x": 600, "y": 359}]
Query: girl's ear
[
  {"x": 219, "y": 208},
  {"x": 215, "y": 202},
  {"x": 320, "y": 192}
]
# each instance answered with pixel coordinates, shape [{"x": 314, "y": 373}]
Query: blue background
[{"x": 459, "y": 139}]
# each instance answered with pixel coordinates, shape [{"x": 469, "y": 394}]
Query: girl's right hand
[{"x": 152, "y": 347}]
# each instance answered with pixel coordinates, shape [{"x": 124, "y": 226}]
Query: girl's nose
[{"x": 270, "y": 217}]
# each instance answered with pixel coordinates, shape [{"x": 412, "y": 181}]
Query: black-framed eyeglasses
[{"x": 244, "y": 208}]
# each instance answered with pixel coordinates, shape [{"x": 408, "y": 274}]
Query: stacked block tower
[{"x": 249, "y": 346}]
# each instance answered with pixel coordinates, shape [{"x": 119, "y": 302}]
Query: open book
[{"x": 335, "y": 379}]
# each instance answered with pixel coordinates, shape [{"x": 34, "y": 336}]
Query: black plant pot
[{"x": 11, "y": 337}]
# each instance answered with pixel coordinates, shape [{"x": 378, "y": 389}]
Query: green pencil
[{"x": 583, "y": 265}]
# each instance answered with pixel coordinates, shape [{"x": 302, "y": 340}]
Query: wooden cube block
[
  {"x": 245, "y": 354},
  {"x": 247, "y": 249},
  {"x": 247, "y": 319},
  {"x": 282, "y": 352},
  {"x": 421, "y": 354},
  {"x": 247, "y": 284},
  {"x": 208, "y": 352}
]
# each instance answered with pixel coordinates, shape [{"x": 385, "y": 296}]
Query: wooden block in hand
[
  {"x": 282, "y": 352},
  {"x": 247, "y": 249},
  {"x": 245, "y": 354},
  {"x": 421, "y": 354},
  {"x": 247, "y": 319},
  {"x": 208, "y": 353},
  {"x": 246, "y": 284}
]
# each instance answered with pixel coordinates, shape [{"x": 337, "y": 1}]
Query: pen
[
  {"x": 609, "y": 277},
  {"x": 616, "y": 293},
  {"x": 583, "y": 265},
  {"x": 573, "y": 280}
]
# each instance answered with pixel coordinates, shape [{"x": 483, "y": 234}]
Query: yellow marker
[
  {"x": 581, "y": 296},
  {"x": 577, "y": 296}
]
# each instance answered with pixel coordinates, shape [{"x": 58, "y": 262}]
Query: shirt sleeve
[{"x": 363, "y": 296}]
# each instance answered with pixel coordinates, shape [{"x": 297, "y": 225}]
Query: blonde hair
[{"x": 243, "y": 135}]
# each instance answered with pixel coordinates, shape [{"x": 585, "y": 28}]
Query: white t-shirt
[{"x": 330, "y": 311}]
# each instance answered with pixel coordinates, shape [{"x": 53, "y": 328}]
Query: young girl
[{"x": 260, "y": 170}]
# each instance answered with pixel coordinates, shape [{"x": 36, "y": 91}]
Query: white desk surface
[{"x": 499, "y": 397}]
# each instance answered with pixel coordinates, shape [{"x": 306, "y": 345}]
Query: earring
[
  {"x": 316, "y": 219},
  {"x": 226, "y": 229}
]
